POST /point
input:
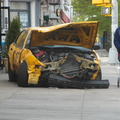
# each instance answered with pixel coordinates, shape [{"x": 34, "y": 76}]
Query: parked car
[{"x": 61, "y": 55}]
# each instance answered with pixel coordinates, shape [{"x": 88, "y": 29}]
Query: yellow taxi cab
[{"x": 61, "y": 55}]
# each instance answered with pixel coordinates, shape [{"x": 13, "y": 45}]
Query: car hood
[{"x": 81, "y": 34}]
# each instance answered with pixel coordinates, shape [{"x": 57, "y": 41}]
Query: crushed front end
[{"x": 67, "y": 66}]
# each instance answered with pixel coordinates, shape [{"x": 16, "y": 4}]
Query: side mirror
[{"x": 96, "y": 47}]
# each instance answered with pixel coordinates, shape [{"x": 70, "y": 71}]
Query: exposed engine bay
[
  {"x": 69, "y": 62},
  {"x": 69, "y": 66}
]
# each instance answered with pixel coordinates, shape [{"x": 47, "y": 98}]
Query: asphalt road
[{"x": 35, "y": 103}]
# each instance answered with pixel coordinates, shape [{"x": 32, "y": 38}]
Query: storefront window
[
  {"x": 19, "y": 6},
  {"x": 24, "y": 19},
  {"x": 21, "y": 10},
  {"x": 12, "y": 15}
]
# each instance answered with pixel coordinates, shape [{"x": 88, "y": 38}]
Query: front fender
[{"x": 34, "y": 66}]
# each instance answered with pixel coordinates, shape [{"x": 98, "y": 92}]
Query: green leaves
[
  {"x": 85, "y": 11},
  {"x": 13, "y": 31}
]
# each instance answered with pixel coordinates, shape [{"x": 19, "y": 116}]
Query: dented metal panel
[{"x": 77, "y": 34}]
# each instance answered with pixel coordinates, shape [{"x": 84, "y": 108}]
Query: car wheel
[
  {"x": 12, "y": 76},
  {"x": 99, "y": 75},
  {"x": 23, "y": 75}
]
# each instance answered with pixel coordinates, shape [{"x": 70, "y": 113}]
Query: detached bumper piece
[{"x": 59, "y": 81}]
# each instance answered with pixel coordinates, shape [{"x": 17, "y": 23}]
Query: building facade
[{"x": 38, "y": 12}]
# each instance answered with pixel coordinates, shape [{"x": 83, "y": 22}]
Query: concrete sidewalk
[
  {"x": 102, "y": 53},
  {"x": 109, "y": 71}
]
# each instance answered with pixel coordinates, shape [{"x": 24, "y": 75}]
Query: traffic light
[
  {"x": 105, "y": 10},
  {"x": 98, "y": 2}
]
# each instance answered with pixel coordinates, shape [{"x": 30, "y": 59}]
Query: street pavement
[{"x": 35, "y": 103}]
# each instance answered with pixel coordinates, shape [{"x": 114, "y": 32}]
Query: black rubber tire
[
  {"x": 22, "y": 79},
  {"x": 99, "y": 75},
  {"x": 12, "y": 76}
]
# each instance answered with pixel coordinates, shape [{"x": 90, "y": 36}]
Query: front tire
[{"x": 23, "y": 75}]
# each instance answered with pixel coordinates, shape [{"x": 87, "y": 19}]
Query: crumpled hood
[{"x": 81, "y": 34}]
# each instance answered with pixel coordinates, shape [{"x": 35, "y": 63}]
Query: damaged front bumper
[{"x": 59, "y": 81}]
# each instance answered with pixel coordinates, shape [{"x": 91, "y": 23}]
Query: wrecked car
[{"x": 60, "y": 56}]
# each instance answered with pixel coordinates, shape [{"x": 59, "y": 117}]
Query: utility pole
[{"x": 113, "y": 55}]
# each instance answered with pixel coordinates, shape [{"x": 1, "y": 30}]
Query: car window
[
  {"x": 28, "y": 41},
  {"x": 21, "y": 39}
]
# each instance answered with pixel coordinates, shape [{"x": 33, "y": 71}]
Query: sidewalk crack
[{"x": 82, "y": 105}]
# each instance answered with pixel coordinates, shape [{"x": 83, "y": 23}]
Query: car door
[{"x": 19, "y": 44}]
